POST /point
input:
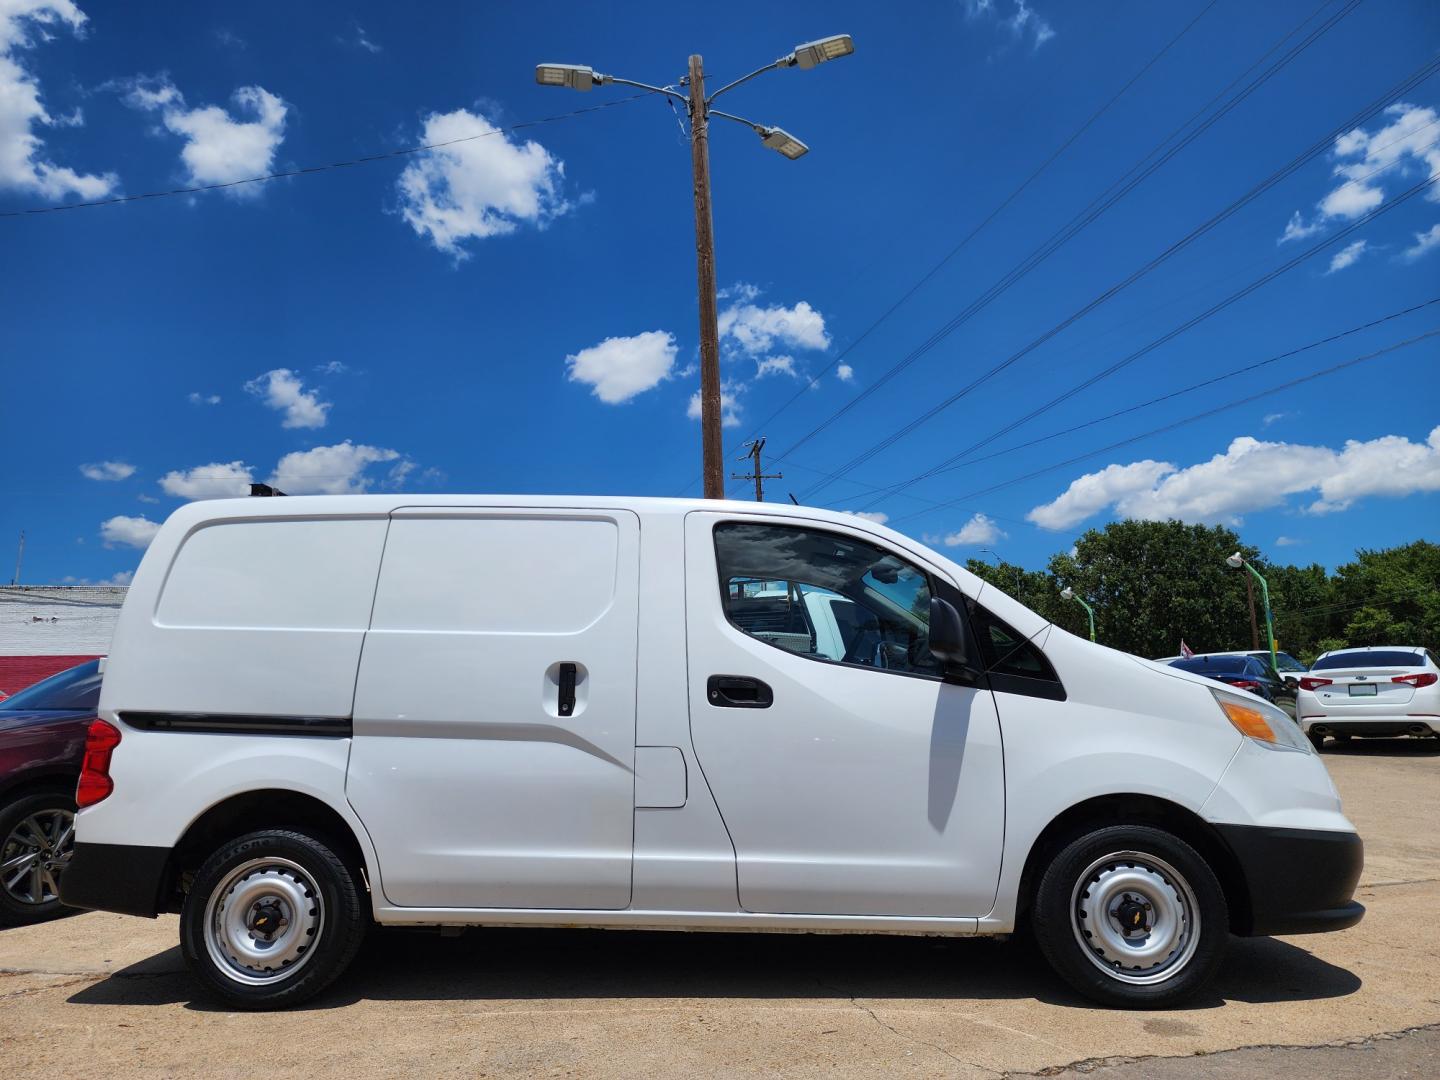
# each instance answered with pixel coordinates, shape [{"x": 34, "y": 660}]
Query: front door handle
[{"x": 738, "y": 692}]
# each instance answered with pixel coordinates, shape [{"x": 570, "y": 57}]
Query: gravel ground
[{"x": 107, "y": 996}]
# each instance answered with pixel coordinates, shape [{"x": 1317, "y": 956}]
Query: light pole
[
  {"x": 1236, "y": 561},
  {"x": 1068, "y": 593},
  {"x": 809, "y": 55},
  {"x": 999, "y": 566}
]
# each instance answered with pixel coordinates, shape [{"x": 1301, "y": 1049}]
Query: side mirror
[{"x": 950, "y": 638}]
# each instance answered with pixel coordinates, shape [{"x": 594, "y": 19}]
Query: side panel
[
  {"x": 479, "y": 788},
  {"x": 253, "y": 617}
]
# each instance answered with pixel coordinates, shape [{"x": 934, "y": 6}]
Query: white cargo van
[{"x": 446, "y": 711}]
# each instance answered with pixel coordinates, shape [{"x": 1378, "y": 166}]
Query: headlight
[{"x": 1257, "y": 719}]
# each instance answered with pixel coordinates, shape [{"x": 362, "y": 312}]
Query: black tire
[
  {"x": 25, "y": 899},
  {"x": 292, "y": 882},
  {"x": 1316, "y": 740},
  {"x": 1146, "y": 873}
]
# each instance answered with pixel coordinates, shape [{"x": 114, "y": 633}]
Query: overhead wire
[
  {"x": 1164, "y": 428},
  {"x": 1320, "y": 146},
  {"x": 1127, "y": 182},
  {"x": 312, "y": 169}
]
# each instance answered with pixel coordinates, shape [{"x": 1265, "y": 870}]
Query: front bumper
[
  {"x": 126, "y": 878},
  {"x": 1300, "y": 881}
]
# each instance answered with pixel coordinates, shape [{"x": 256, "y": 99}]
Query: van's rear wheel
[
  {"x": 1132, "y": 916},
  {"x": 271, "y": 920}
]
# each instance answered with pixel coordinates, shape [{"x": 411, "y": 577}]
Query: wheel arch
[
  {"x": 252, "y": 811},
  {"x": 1133, "y": 809}
]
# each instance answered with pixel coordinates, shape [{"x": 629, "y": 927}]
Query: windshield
[
  {"x": 75, "y": 688},
  {"x": 1283, "y": 661},
  {"x": 1369, "y": 658},
  {"x": 1215, "y": 665}
]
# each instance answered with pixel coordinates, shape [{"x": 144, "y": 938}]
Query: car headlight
[{"x": 1258, "y": 719}]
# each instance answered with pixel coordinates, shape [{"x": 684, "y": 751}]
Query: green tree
[
  {"x": 1303, "y": 601},
  {"x": 1155, "y": 582},
  {"x": 1391, "y": 597}
]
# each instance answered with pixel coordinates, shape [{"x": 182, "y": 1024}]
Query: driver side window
[{"x": 825, "y": 596}]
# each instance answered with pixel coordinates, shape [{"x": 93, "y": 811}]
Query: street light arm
[
  {"x": 784, "y": 61},
  {"x": 607, "y": 79},
  {"x": 758, "y": 128}
]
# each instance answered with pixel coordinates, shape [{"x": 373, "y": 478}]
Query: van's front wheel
[
  {"x": 271, "y": 919},
  {"x": 1132, "y": 916}
]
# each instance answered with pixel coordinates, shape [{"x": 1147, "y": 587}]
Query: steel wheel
[
  {"x": 35, "y": 854},
  {"x": 1136, "y": 917},
  {"x": 262, "y": 921}
]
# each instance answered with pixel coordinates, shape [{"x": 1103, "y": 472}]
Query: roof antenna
[{"x": 792, "y": 498}]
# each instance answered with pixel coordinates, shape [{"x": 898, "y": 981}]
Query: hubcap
[
  {"x": 1135, "y": 917},
  {"x": 35, "y": 854},
  {"x": 263, "y": 920}
]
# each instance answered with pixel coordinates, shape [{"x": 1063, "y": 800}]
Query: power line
[
  {"x": 991, "y": 216},
  {"x": 897, "y": 489},
  {"x": 1319, "y": 147},
  {"x": 1133, "y": 177},
  {"x": 1163, "y": 339},
  {"x": 284, "y": 174},
  {"x": 1187, "y": 420}
]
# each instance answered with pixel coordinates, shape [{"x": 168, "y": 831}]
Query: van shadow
[{"x": 521, "y": 964}]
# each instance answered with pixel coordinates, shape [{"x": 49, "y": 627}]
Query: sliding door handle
[{"x": 738, "y": 692}]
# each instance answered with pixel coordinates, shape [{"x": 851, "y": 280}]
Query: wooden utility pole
[
  {"x": 757, "y": 473},
  {"x": 1254, "y": 626},
  {"x": 712, "y": 451}
]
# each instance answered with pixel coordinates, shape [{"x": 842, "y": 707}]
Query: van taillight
[
  {"x": 1308, "y": 683},
  {"x": 95, "y": 783}
]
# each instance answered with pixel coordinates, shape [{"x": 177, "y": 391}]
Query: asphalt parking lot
[{"x": 104, "y": 995}]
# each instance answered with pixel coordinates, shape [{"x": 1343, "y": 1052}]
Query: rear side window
[
  {"x": 497, "y": 574},
  {"x": 1370, "y": 658},
  {"x": 285, "y": 575}
]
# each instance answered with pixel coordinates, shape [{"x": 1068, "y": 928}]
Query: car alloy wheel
[{"x": 34, "y": 855}]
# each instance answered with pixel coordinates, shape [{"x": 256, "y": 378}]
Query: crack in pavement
[
  {"x": 915, "y": 1039},
  {"x": 7, "y": 972},
  {"x": 1095, "y": 1064}
]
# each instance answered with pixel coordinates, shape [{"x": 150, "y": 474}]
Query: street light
[
  {"x": 1068, "y": 593},
  {"x": 1235, "y": 562},
  {"x": 698, "y": 106}
]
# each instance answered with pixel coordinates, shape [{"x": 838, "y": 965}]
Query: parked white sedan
[{"x": 1384, "y": 690}]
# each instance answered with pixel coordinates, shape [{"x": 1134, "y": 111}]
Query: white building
[{"x": 47, "y": 628}]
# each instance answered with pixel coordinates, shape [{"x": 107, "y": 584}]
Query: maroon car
[{"x": 42, "y": 741}]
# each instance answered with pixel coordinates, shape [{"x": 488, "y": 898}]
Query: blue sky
[{"x": 517, "y": 312}]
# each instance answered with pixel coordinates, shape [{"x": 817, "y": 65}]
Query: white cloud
[
  {"x": 755, "y": 330},
  {"x": 776, "y": 365},
  {"x": 1296, "y": 229},
  {"x": 358, "y": 40},
  {"x": 1250, "y": 475},
  {"x": 1287, "y": 541},
  {"x": 196, "y": 398},
  {"x": 219, "y": 147},
  {"x": 120, "y": 577},
  {"x": 845, "y": 373},
  {"x": 143, "y": 497},
  {"x": 729, "y": 405},
  {"x": 877, "y": 516},
  {"x": 980, "y": 529},
  {"x": 122, "y": 531},
  {"x": 330, "y": 470},
  {"x": 486, "y": 186},
  {"x": 217, "y": 480},
  {"x": 621, "y": 367},
  {"x": 333, "y": 367},
  {"x": 1424, "y": 242},
  {"x": 1017, "y": 16},
  {"x": 1093, "y": 492},
  {"x": 1346, "y": 256},
  {"x": 1272, "y": 418},
  {"x": 1405, "y": 141},
  {"x": 23, "y": 163},
  {"x": 284, "y": 391},
  {"x": 108, "y": 470},
  {"x": 742, "y": 291}
]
